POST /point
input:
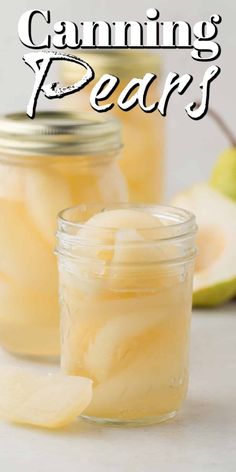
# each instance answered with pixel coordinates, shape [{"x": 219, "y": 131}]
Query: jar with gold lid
[
  {"x": 46, "y": 164},
  {"x": 143, "y": 156}
]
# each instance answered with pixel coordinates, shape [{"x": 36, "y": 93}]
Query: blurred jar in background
[
  {"x": 46, "y": 164},
  {"x": 143, "y": 156}
]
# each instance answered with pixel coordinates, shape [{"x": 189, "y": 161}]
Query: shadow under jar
[
  {"x": 143, "y": 157},
  {"x": 46, "y": 164},
  {"x": 125, "y": 285}
]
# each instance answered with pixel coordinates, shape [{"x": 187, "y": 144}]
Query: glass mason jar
[
  {"x": 125, "y": 285},
  {"x": 143, "y": 157},
  {"x": 46, "y": 164}
]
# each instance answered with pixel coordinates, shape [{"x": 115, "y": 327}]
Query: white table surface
[{"x": 202, "y": 437}]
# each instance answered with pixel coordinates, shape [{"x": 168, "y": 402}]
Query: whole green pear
[{"x": 223, "y": 177}]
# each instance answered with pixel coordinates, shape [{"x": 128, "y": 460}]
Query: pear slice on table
[
  {"x": 45, "y": 400},
  {"x": 215, "y": 273}
]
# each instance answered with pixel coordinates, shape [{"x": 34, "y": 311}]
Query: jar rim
[
  {"x": 59, "y": 134},
  {"x": 183, "y": 221},
  {"x": 75, "y": 245}
]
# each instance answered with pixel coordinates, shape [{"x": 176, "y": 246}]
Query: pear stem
[{"x": 221, "y": 123}]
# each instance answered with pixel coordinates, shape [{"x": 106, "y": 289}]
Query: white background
[{"x": 192, "y": 147}]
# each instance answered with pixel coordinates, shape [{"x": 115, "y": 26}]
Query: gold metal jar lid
[
  {"x": 123, "y": 63},
  {"x": 59, "y": 134}
]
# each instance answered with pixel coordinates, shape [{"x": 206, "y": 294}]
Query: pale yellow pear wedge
[
  {"x": 143, "y": 384},
  {"x": 23, "y": 251},
  {"x": 45, "y": 400},
  {"x": 47, "y": 193},
  {"x": 116, "y": 339},
  {"x": 12, "y": 182}
]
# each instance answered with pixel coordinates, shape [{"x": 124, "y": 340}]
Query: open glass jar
[
  {"x": 46, "y": 164},
  {"x": 126, "y": 294},
  {"x": 143, "y": 157}
]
